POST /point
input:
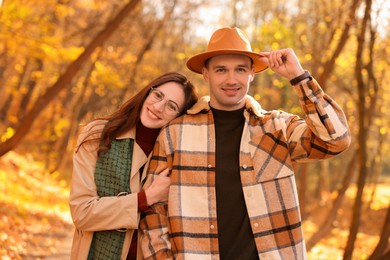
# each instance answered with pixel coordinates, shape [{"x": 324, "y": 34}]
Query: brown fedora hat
[{"x": 227, "y": 41}]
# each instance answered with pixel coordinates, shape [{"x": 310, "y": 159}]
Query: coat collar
[
  {"x": 99, "y": 125},
  {"x": 251, "y": 105},
  {"x": 128, "y": 134}
]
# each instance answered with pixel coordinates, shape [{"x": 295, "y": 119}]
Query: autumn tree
[
  {"x": 323, "y": 36},
  {"x": 63, "y": 81},
  {"x": 108, "y": 83}
]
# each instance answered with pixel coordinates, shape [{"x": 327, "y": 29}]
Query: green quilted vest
[{"x": 112, "y": 176}]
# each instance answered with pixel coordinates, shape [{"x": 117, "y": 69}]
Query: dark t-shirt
[{"x": 235, "y": 235}]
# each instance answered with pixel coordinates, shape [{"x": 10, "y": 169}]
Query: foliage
[
  {"x": 39, "y": 39},
  {"x": 35, "y": 220},
  {"x": 332, "y": 246}
]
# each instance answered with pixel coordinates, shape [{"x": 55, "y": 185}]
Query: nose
[
  {"x": 160, "y": 105},
  {"x": 231, "y": 78}
]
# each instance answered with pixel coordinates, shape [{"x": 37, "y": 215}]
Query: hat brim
[{"x": 196, "y": 62}]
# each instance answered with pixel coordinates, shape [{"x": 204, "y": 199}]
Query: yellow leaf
[{"x": 9, "y": 132}]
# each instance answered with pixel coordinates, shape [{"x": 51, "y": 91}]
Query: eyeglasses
[{"x": 171, "y": 108}]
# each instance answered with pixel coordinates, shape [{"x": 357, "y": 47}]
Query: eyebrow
[
  {"x": 174, "y": 103},
  {"x": 243, "y": 66},
  {"x": 224, "y": 67}
]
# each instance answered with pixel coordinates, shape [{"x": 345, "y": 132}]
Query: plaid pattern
[
  {"x": 113, "y": 167},
  {"x": 107, "y": 245},
  {"x": 112, "y": 177},
  {"x": 271, "y": 142}
]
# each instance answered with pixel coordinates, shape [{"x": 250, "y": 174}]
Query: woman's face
[{"x": 163, "y": 104}]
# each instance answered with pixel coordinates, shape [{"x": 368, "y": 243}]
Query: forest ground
[{"x": 35, "y": 222}]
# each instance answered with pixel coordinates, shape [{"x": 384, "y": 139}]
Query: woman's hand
[{"x": 158, "y": 191}]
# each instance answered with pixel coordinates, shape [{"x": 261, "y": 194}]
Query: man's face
[{"x": 229, "y": 77}]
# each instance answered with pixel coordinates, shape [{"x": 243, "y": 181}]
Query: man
[{"x": 233, "y": 193}]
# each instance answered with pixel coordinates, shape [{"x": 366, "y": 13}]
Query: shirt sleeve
[
  {"x": 323, "y": 132},
  {"x": 155, "y": 242},
  {"x": 142, "y": 202}
]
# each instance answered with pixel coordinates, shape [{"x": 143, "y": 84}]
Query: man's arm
[
  {"x": 324, "y": 132},
  {"x": 153, "y": 227}
]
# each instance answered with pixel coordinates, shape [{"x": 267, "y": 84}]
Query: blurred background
[{"x": 64, "y": 62}]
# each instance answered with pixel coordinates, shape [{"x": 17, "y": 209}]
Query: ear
[
  {"x": 205, "y": 74},
  {"x": 252, "y": 74}
]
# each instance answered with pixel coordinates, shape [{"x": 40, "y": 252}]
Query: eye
[
  {"x": 158, "y": 95},
  {"x": 220, "y": 70},
  {"x": 172, "y": 106}
]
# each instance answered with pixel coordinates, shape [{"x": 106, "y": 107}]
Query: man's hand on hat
[{"x": 284, "y": 62}]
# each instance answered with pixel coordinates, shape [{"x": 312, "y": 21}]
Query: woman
[{"x": 109, "y": 167}]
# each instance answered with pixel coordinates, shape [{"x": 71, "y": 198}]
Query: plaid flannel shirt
[{"x": 271, "y": 142}]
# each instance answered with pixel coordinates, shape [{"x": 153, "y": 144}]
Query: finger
[
  {"x": 279, "y": 60},
  {"x": 284, "y": 58},
  {"x": 165, "y": 172},
  {"x": 264, "y": 53},
  {"x": 273, "y": 59}
]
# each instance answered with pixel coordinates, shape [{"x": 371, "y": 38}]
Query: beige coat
[{"x": 91, "y": 213}]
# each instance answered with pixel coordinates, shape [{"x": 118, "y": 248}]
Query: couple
[{"x": 225, "y": 162}]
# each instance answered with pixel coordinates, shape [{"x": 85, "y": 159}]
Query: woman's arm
[
  {"x": 89, "y": 211},
  {"x": 155, "y": 242}
]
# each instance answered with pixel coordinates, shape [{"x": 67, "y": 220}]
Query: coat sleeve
[
  {"x": 153, "y": 228},
  {"x": 90, "y": 212},
  {"x": 323, "y": 132}
]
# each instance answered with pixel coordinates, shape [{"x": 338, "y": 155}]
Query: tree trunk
[
  {"x": 324, "y": 185},
  {"x": 302, "y": 190},
  {"x": 151, "y": 36},
  {"x": 383, "y": 245},
  {"x": 330, "y": 64},
  {"x": 377, "y": 159},
  {"x": 376, "y": 167},
  {"x": 362, "y": 137},
  {"x": 72, "y": 129},
  {"x": 5, "y": 111},
  {"x": 65, "y": 79},
  {"x": 5, "y": 108},
  {"x": 37, "y": 65},
  {"x": 326, "y": 227}
]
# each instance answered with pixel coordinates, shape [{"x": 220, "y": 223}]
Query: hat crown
[{"x": 229, "y": 39}]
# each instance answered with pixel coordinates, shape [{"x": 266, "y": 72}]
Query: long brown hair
[{"x": 128, "y": 115}]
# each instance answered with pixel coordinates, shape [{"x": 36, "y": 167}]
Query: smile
[
  {"x": 152, "y": 114},
  {"x": 231, "y": 90}
]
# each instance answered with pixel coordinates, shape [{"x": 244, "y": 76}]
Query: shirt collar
[{"x": 203, "y": 104}]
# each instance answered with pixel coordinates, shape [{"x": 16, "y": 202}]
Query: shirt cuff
[{"x": 142, "y": 202}]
